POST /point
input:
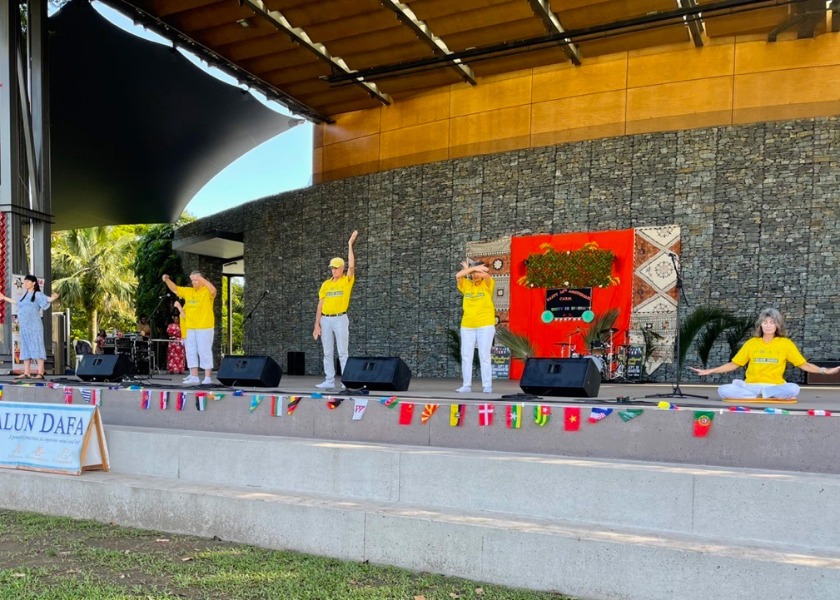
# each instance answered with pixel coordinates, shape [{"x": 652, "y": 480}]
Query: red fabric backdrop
[{"x": 528, "y": 304}]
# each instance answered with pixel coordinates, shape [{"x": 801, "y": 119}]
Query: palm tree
[{"x": 93, "y": 272}]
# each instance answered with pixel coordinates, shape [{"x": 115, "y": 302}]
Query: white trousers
[
  {"x": 481, "y": 338},
  {"x": 739, "y": 389},
  {"x": 335, "y": 331},
  {"x": 199, "y": 347}
]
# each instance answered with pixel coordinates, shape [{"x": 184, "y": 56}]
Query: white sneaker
[
  {"x": 186, "y": 379},
  {"x": 343, "y": 387},
  {"x": 191, "y": 380},
  {"x": 207, "y": 381},
  {"x": 488, "y": 390},
  {"x": 326, "y": 385},
  {"x": 464, "y": 389}
]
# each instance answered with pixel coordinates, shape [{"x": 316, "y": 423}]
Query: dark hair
[{"x": 35, "y": 289}]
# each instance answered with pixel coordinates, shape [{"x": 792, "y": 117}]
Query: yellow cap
[{"x": 337, "y": 262}]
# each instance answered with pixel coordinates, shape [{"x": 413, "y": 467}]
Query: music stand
[{"x": 676, "y": 392}]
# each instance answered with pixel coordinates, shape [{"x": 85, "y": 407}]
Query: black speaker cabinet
[
  {"x": 104, "y": 367},
  {"x": 384, "y": 373},
  {"x": 249, "y": 371},
  {"x": 561, "y": 377}
]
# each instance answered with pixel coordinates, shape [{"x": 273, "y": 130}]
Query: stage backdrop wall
[{"x": 756, "y": 208}]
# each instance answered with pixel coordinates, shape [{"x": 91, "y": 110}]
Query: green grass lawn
[{"x": 62, "y": 559}]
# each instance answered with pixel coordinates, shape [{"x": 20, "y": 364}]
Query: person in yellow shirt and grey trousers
[
  {"x": 200, "y": 325},
  {"x": 766, "y": 355},
  {"x": 331, "y": 322},
  {"x": 478, "y": 324}
]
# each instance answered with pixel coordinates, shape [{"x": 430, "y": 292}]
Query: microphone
[{"x": 265, "y": 292}]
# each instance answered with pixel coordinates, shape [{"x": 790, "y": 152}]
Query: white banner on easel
[{"x": 58, "y": 438}]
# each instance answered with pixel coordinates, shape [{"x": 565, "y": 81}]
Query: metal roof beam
[
  {"x": 299, "y": 36},
  {"x": 425, "y": 34},
  {"x": 693, "y": 22},
  {"x": 542, "y": 9}
]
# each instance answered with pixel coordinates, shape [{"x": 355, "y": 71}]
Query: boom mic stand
[
  {"x": 251, "y": 312},
  {"x": 676, "y": 392},
  {"x": 153, "y": 362}
]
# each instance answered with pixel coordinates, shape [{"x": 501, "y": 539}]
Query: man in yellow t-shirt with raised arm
[
  {"x": 765, "y": 355},
  {"x": 331, "y": 322},
  {"x": 200, "y": 325}
]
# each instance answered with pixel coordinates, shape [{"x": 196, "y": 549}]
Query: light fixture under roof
[{"x": 244, "y": 23}]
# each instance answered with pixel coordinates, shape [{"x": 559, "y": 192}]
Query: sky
[{"x": 280, "y": 164}]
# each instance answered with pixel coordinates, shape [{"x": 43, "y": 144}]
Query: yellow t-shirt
[
  {"x": 767, "y": 361},
  {"x": 198, "y": 308},
  {"x": 336, "y": 295},
  {"x": 479, "y": 310}
]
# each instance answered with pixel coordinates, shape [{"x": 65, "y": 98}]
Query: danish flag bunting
[{"x": 485, "y": 415}]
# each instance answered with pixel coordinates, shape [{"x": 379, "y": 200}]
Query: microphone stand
[
  {"x": 676, "y": 392},
  {"x": 152, "y": 356},
  {"x": 251, "y": 312}
]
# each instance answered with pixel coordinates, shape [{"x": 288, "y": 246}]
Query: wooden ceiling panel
[
  {"x": 410, "y": 85},
  {"x": 373, "y": 42},
  {"x": 579, "y": 15},
  {"x": 635, "y": 41},
  {"x": 273, "y": 61},
  {"x": 526, "y": 60},
  {"x": 477, "y": 38},
  {"x": 433, "y": 9},
  {"x": 757, "y": 21},
  {"x": 210, "y": 16},
  {"x": 316, "y": 12},
  {"x": 383, "y": 21},
  {"x": 368, "y": 35},
  {"x": 289, "y": 76},
  {"x": 495, "y": 16},
  {"x": 256, "y": 47},
  {"x": 388, "y": 56},
  {"x": 164, "y": 8}
]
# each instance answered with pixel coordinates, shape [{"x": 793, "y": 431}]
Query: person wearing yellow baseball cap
[{"x": 331, "y": 322}]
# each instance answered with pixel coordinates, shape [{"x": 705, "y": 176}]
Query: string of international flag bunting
[{"x": 514, "y": 413}]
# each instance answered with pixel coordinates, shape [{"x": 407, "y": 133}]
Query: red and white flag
[{"x": 485, "y": 415}]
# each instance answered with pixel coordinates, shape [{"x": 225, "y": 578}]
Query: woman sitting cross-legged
[{"x": 765, "y": 355}]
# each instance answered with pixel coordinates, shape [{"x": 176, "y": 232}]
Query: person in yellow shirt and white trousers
[
  {"x": 478, "y": 323},
  {"x": 765, "y": 355},
  {"x": 200, "y": 325},
  {"x": 332, "y": 324}
]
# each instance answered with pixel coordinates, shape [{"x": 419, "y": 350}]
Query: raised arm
[
  {"x": 170, "y": 284},
  {"x": 351, "y": 256},
  {"x": 466, "y": 269},
  {"x": 812, "y": 368},
  {"x": 730, "y": 366},
  {"x": 4, "y": 298},
  {"x": 209, "y": 285}
]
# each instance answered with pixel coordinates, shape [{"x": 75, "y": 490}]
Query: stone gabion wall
[{"x": 758, "y": 207}]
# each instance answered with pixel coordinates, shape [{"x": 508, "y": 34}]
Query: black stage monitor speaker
[
  {"x": 104, "y": 367},
  {"x": 249, "y": 371},
  {"x": 561, "y": 377},
  {"x": 384, "y": 373}
]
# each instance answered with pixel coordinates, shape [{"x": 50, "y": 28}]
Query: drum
[{"x": 598, "y": 348}]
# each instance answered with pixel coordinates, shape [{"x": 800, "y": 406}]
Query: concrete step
[
  {"x": 740, "y": 505},
  {"x": 581, "y": 559}
]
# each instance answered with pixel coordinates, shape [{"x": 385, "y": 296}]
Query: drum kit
[
  {"x": 616, "y": 362},
  {"x": 136, "y": 348}
]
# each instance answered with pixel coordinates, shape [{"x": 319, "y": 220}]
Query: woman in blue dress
[{"x": 31, "y": 325}]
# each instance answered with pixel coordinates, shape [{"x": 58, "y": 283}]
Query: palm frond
[
  {"x": 740, "y": 329},
  {"x": 693, "y": 324},
  {"x": 520, "y": 345},
  {"x": 599, "y": 328},
  {"x": 709, "y": 336}
]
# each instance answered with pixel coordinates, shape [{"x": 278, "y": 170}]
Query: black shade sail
[{"x": 136, "y": 129}]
